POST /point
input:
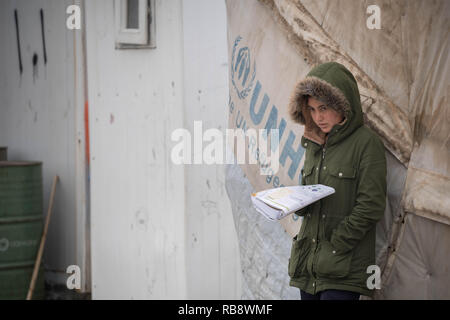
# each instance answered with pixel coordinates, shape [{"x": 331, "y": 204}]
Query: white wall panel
[
  {"x": 137, "y": 194},
  {"x": 159, "y": 230},
  {"x": 212, "y": 252}
]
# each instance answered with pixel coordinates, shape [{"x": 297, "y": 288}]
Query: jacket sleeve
[{"x": 370, "y": 200}]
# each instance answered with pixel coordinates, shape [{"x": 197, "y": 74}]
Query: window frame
[{"x": 144, "y": 36}]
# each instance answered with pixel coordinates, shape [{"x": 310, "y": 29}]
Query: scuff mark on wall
[
  {"x": 43, "y": 37},
  {"x": 19, "y": 53},
  {"x": 210, "y": 206},
  {"x": 141, "y": 219},
  {"x": 35, "y": 66}
]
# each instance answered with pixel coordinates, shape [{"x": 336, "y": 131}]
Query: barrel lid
[{"x": 19, "y": 163}]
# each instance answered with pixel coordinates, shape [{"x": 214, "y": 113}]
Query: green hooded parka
[{"x": 336, "y": 242}]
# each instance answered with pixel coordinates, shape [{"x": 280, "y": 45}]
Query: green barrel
[
  {"x": 3, "y": 154},
  {"x": 21, "y": 226}
]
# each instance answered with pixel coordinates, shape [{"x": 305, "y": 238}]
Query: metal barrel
[
  {"x": 3, "y": 153},
  {"x": 21, "y": 227}
]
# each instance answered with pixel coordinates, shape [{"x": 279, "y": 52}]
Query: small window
[
  {"x": 135, "y": 23},
  {"x": 132, "y": 8}
]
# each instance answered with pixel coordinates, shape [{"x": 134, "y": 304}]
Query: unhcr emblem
[{"x": 242, "y": 73}]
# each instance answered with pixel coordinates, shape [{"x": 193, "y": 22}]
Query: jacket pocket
[
  {"x": 342, "y": 172},
  {"x": 343, "y": 179},
  {"x": 299, "y": 253},
  {"x": 330, "y": 263}
]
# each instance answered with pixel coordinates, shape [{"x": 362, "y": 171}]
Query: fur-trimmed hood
[{"x": 334, "y": 85}]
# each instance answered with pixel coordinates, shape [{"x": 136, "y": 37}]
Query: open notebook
[{"x": 277, "y": 203}]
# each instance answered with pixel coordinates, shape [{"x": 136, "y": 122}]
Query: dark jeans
[{"x": 330, "y": 295}]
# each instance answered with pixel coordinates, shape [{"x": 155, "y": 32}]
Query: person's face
[{"x": 324, "y": 117}]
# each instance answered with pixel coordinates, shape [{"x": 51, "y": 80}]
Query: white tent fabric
[{"x": 403, "y": 76}]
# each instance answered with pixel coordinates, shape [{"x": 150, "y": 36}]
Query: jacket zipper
[
  {"x": 324, "y": 149},
  {"x": 318, "y": 224}
]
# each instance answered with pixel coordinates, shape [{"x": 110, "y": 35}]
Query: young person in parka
[{"x": 336, "y": 241}]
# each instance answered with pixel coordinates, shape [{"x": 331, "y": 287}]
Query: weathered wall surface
[
  {"x": 41, "y": 118},
  {"x": 159, "y": 230},
  {"x": 212, "y": 252}
]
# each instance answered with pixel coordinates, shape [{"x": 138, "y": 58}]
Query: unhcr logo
[{"x": 242, "y": 72}]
